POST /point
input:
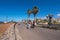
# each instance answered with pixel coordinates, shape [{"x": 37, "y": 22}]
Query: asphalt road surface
[{"x": 37, "y": 33}]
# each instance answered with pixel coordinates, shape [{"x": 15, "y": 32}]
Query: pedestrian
[{"x": 33, "y": 25}]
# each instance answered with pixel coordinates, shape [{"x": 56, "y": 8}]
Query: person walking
[{"x": 34, "y": 24}]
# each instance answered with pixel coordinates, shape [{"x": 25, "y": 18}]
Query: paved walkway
[{"x": 37, "y": 33}]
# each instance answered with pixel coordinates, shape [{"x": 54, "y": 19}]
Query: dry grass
[{"x": 4, "y": 27}]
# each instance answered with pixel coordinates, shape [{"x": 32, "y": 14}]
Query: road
[{"x": 37, "y": 33}]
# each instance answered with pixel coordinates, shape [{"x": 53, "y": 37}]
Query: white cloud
[{"x": 58, "y": 15}]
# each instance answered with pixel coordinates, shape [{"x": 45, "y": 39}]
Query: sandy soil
[{"x": 4, "y": 27}]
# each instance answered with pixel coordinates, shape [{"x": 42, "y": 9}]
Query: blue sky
[{"x": 17, "y": 9}]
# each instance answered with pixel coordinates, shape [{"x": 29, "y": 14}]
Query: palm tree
[
  {"x": 35, "y": 11},
  {"x": 49, "y": 17},
  {"x": 29, "y": 13}
]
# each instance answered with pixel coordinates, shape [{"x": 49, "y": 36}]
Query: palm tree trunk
[
  {"x": 34, "y": 17},
  {"x": 28, "y": 17}
]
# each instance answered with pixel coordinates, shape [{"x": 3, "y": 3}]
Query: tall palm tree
[
  {"x": 49, "y": 18},
  {"x": 29, "y": 13},
  {"x": 35, "y": 11}
]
